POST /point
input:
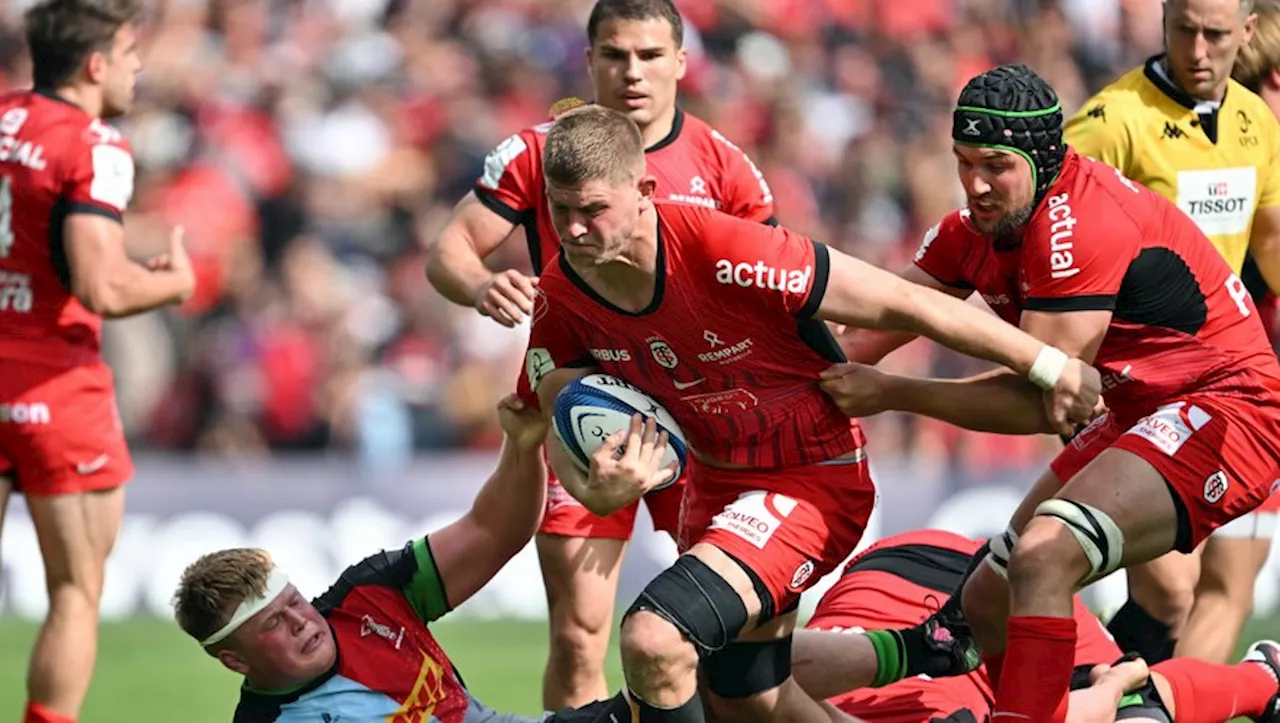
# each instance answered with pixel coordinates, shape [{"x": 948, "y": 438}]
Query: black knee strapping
[
  {"x": 1136, "y": 630},
  {"x": 742, "y": 670},
  {"x": 690, "y": 712},
  {"x": 964, "y": 715},
  {"x": 695, "y": 599},
  {"x": 605, "y": 711}
]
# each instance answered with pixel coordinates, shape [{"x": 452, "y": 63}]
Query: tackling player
[
  {"x": 635, "y": 57},
  {"x": 66, "y": 177},
  {"x": 1180, "y": 126},
  {"x": 720, "y": 320},
  {"x": 1086, "y": 259},
  {"x": 363, "y": 651}
]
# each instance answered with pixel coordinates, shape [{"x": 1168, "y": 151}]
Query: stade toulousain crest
[{"x": 663, "y": 353}]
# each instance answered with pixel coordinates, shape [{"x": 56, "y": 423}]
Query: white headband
[{"x": 277, "y": 581}]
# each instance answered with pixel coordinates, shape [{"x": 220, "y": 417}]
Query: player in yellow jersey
[{"x": 1181, "y": 126}]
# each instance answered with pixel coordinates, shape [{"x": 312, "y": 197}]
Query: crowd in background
[{"x": 311, "y": 147}]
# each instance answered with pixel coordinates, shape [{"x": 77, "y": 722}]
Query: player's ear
[
  {"x": 96, "y": 66},
  {"x": 233, "y": 661},
  {"x": 647, "y": 185},
  {"x": 682, "y": 63},
  {"x": 589, "y": 53}
]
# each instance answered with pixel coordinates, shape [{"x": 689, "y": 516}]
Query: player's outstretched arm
[
  {"x": 869, "y": 346},
  {"x": 859, "y": 294},
  {"x": 455, "y": 264},
  {"x": 505, "y": 513},
  {"x": 1264, "y": 245},
  {"x": 109, "y": 283}
]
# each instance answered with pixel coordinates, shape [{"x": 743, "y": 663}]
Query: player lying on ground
[
  {"x": 895, "y": 582},
  {"x": 363, "y": 651},
  {"x": 66, "y": 179},
  {"x": 636, "y": 58},
  {"x": 1179, "y": 126},
  {"x": 1087, "y": 260},
  {"x": 721, "y": 321}
]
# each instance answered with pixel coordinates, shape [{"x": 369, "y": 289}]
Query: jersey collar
[
  {"x": 677, "y": 124},
  {"x": 1156, "y": 73}
]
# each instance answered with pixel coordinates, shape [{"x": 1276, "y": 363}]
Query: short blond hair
[
  {"x": 592, "y": 143},
  {"x": 212, "y": 587},
  {"x": 1262, "y": 54}
]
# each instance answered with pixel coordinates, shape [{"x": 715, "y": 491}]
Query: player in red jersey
[
  {"x": 636, "y": 60},
  {"x": 65, "y": 179},
  {"x": 720, "y": 320},
  {"x": 896, "y": 581},
  {"x": 1086, "y": 260},
  {"x": 889, "y": 585}
]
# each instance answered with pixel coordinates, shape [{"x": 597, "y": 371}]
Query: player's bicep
[
  {"x": 94, "y": 244},
  {"x": 476, "y": 224},
  {"x": 1078, "y": 333},
  {"x": 860, "y": 294}
]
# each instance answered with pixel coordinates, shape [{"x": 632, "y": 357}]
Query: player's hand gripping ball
[{"x": 591, "y": 409}]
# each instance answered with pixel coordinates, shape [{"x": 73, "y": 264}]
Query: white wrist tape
[
  {"x": 1048, "y": 367},
  {"x": 277, "y": 581}
]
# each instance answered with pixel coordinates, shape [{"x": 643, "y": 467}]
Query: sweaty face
[
  {"x": 1000, "y": 188},
  {"x": 1202, "y": 38},
  {"x": 286, "y": 644},
  {"x": 595, "y": 220},
  {"x": 636, "y": 65},
  {"x": 122, "y": 65}
]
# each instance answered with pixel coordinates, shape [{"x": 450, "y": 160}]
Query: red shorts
[
  {"x": 1219, "y": 452},
  {"x": 60, "y": 430},
  {"x": 566, "y": 517},
  {"x": 790, "y": 527}
]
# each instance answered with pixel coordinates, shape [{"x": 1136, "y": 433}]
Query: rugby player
[
  {"x": 1084, "y": 258},
  {"x": 66, "y": 178},
  {"x": 1182, "y": 127},
  {"x": 636, "y": 58},
  {"x": 721, "y": 321}
]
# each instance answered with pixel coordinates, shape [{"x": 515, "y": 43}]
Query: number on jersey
[{"x": 6, "y": 217}]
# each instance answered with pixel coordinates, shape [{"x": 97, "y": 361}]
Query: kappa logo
[
  {"x": 1171, "y": 130},
  {"x": 1098, "y": 111},
  {"x": 1215, "y": 487},
  {"x": 971, "y": 127}
]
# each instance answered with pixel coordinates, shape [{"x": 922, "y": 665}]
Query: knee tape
[
  {"x": 695, "y": 599},
  {"x": 742, "y": 670},
  {"x": 1098, "y": 535},
  {"x": 1001, "y": 547}
]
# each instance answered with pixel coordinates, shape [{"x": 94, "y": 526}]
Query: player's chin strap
[{"x": 277, "y": 581}]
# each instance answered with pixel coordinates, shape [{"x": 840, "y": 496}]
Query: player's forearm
[
  {"x": 997, "y": 401},
  {"x": 132, "y": 290},
  {"x": 511, "y": 502},
  {"x": 455, "y": 269},
  {"x": 826, "y": 664},
  {"x": 869, "y": 346},
  {"x": 1268, "y": 261},
  {"x": 962, "y": 327}
]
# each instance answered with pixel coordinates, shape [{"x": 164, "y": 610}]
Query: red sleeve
[
  {"x": 552, "y": 345},
  {"x": 100, "y": 173},
  {"x": 746, "y": 193},
  {"x": 511, "y": 183},
  {"x": 768, "y": 267},
  {"x": 943, "y": 250},
  {"x": 1074, "y": 258}
]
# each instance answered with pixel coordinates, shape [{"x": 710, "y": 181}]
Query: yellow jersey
[{"x": 1218, "y": 164}]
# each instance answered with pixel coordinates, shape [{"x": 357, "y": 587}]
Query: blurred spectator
[{"x": 308, "y": 147}]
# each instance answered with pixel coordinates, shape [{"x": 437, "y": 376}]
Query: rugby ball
[{"x": 591, "y": 408}]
